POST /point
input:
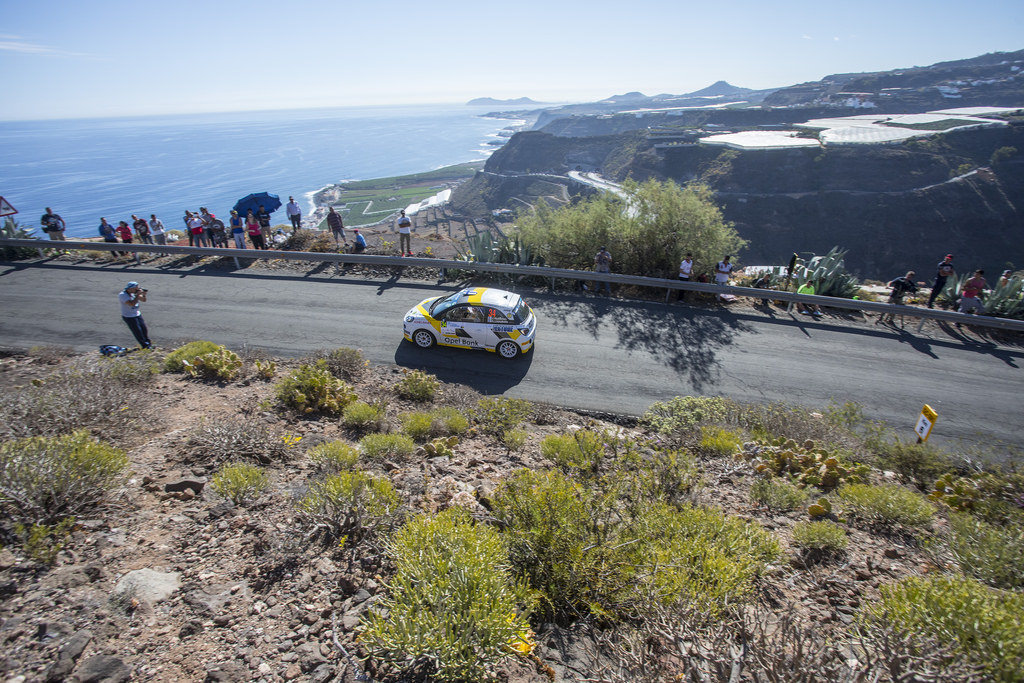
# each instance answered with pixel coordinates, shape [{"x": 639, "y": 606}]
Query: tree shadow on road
[{"x": 686, "y": 339}]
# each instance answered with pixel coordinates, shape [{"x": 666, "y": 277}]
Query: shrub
[
  {"x": 916, "y": 464},
  {"x": 776, "y": 494},
  {"x": 417, "y": 385},
  {"x": 579, "y": 452},
  {"x": 514, "y": 440},
  {"x": 981, "y": 622},
  {"x": 885, "y": 504},
  {"x": 498, "y": 416},
  {"x": 443, "y": 447},
  {"x": 363, "y": 416},
  {"x": 683, "y": 413},
  {"x": 804, "y": 463},
  {"x": 92, "y": 393},
  {"x": 448, "y": 421},
  {"x": 818, "y": 540},
  {"x": 343, "y": 362},
  {"x": 240, "y": 482},
  {"x": 668, "y": 475},
  {"x": 381, "y": 446},
  {"x": 312, "y": 388},
  {"x": 222, "y": 365},
  {"x": 176, "y": 359},
  {"x": 45, "y": 479},
  {"x": 452, "y": 611},
  {"x": 990, "y": 553},
  {"x": 591, "y": 555},
  {"x": 42, "y": 542},
  {"x": 334, "y": 456},
  {"x": 347, "y": 506},
  {"x": 217, "y": 441},
  {"x": 718, "y": 442},
  {"x": 416, "y": 425},
  {"x": 265, "y": 370}
]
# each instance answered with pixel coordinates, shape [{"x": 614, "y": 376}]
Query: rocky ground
[{"x": 173, "y": 583}]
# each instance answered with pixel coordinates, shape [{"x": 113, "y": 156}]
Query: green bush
[
  {"x": 917, "y": 465},
  {"x": 683, "y": 413},
  {"x": 222, "y": 365},
  {"x": 589, "y": 554},
  {"x": 982, "y": 623},
  {"x": 176, "y": 359},
  {"x": 381, "y": 446},
  {"x": 667, "y": 475},
  {"x": 265, "y": 369},
  {"x": 818, "y": 540},
  {"x": 348, "y": 506},
  {"x": 885, "y": 504},
  {"x": 46, "y": 479},
  {"x": 717, "y": 442},
  {"x": 777, "y": 494},
  {"x": 452, "y": 610},
  {"x": 334, "y": 456},
  {"x": 805, "y": 464},
  {"x": 580, "y": 452},
  {"x": 344, "y": 362},
  {"x": 448, "y": 421},
  {"x": 417, "y": 385},
  {"x": 240, "y": 482},
  {"x": 312, "y": 388},
  {"x": 417, "y": 425},
  {"x": 363, "y": 416},
  {"x": 990, "y": 553},
  {"x": 224, "y": 439},
  {"x": 499, "y": 417},
  {"x": 42, "y": 542}
]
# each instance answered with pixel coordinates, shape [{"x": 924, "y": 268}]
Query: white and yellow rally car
[{"x": 474, "y": 318}]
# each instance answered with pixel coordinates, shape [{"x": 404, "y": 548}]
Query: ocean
[{"x": 85, "y": 169}]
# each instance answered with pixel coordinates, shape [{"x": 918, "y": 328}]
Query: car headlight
[
  {"x": 523, "y": 330},
  {"x": 409, "y": 318}
]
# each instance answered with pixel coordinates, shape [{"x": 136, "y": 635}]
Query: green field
[{"x": 369, "y": 201}]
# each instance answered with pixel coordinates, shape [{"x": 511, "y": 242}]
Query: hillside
[{"x": 166, "y": 579}]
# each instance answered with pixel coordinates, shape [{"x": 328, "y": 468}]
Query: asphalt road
[{"x": 592, "y": 353}]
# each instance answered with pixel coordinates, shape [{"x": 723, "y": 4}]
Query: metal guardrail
[{"x": 551, "y": 274}]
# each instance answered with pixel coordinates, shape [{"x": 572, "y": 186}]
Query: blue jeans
[{"x": 138, "y": 327}]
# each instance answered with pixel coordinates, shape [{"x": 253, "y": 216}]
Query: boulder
[{"x": 146, "y": 585}]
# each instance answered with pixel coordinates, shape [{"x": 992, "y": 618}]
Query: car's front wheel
[
  {"x": 507, "y": 349},
  {"x": 423, "y": 339}
]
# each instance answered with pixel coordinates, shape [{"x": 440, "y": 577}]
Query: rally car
[{"x": 474, "y": 318}]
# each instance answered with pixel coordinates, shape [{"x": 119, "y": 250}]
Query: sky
[{"x": 101, "y": 58}]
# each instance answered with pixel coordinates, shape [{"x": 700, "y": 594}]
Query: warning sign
[
  {"x": 6, "y": 209},
  {"x": 925, "y": 423}
]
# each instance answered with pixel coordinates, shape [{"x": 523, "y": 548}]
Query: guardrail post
[
  {"x": 237, "y": 266},
  {"x": 41, "y": 254},
  {"x": 920, "y": 325},
  {"x": 138, "y": 259}
]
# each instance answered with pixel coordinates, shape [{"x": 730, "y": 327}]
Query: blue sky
[{"x": 114, "y": 57}]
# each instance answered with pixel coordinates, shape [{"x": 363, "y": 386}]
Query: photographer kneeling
[{"x": 130, "y": 299}]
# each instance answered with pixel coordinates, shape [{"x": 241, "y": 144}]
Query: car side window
[
  {"x": 494, "y": 316},
  {"x": 475, "y": 314}
]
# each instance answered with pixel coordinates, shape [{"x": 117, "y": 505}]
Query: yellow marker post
[{"x": 925, "y": 423}]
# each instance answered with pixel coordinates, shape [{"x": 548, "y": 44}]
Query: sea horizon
[{"x": 112, "y": 167}]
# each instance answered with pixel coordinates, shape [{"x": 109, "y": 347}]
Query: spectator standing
[
  {"x": 197, "y": 230},
  {"x": 130, "y": 298},
  {"x": 294, "y": 214},
  {"x": 124, "y": 232},
  {"x": 603, "y": 264},
  {"x": 723, "y": 270},
  {"x": 237, "y": 229},
  {"x": 1004, "y": 280},
  {"x": 142, "y": 230},
  {"x": 942, "y": 273},
  {"x": 403, "y": 226},
  {"x": 969, "y": 300},
  {"x": 764, "y": 282},
  {"x": 109, "y": 234},
  {"x": 53, "y": 225},
  {"x": 685, "y": 273},
  {"x": 336, "y": 226},
  {"x": 188, "y": 228},
  {"x": 263, "y": 217},
  {"x": 252, "y": 225},
  {"x": 901, "y": 286},
  {"x": 156, "y": 229}
]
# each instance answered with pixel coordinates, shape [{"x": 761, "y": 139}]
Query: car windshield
[
  {"x": 438, "y": 308},
  {"x": 521, "y": 312}
]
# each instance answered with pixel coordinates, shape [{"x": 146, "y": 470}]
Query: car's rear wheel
[
  {"x": 423, "y": 339},
  {"x": 507, "y": 349}
]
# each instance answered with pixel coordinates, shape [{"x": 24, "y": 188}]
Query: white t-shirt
[
  {"x": 404, "y": 225},
  {"x": 128, "y": 310},
  {"x": 156, "y": 226},
  {"x": 685, "y": 268},
  {"x": 722, "y": 278}
]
